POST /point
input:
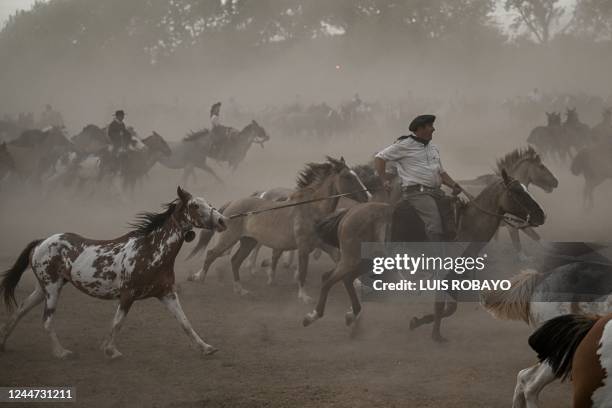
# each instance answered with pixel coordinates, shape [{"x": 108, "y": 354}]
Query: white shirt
[{"x": 416, "y": 163}]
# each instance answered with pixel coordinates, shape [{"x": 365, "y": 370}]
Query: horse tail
[
  {"x": 10, "y": 278},
  {"x": 579, "y": 162},
  {"x": 327, "y": 228},
  {"x": 513, "y": 304},
  {"x": 205, "y": 236},
  {"x": 556, "y": 341}
]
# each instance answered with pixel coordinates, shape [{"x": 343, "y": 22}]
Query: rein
[
  {"x": 244, "y": 214},
  {"x": 512, "y": 220}
]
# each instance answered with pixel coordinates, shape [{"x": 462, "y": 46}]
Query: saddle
[{"x": 407, "y": 226}]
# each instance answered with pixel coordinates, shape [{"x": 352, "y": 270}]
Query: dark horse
[
  {"x": 137, "y": 265},
  {"x": 193, "y": 151},
  {"x": 369, "y": 222}
]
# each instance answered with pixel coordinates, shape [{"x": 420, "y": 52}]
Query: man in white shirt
[{"x": 420, "y": 170}]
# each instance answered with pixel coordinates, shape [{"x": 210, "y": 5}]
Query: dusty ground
[{"x": 266, "y": 358}]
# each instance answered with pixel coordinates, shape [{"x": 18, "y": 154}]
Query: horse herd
[
  {"x": 49, "y": 159},
  {"x": 589, "y": 149},
  {"x": 333, "y": 208}
]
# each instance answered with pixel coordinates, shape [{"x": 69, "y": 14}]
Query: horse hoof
[
  {"x": 191, "y": 278},
  {"x": 65, "y": 355},
  {"x": 209, "y": 351},
  {"x": 112, "y": 354},
  {"x": 349, "y": 318},
  {"x": 413, "y": 323},
  {"x": 306, "y": 322}
]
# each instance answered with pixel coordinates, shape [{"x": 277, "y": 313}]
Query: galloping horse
[
  {"x": 287, "y": 228},
  {"x": 549, "y": 140},
  {"x": 193, "y": 151},
  {"x": 580, "y": 346},
  {"x": 593, "y": 163},
  {"x": 135, "y": 266},
  {"x": 368, "y": 223},
  {"x": 525, "y": 165}
]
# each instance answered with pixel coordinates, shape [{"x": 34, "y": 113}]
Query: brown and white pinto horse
[
  {"x": 581, "y": 347},
  {"x": 137, "y": 265}
]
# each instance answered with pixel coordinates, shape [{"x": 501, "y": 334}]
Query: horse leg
[
  {"x": 187, "y": 171},
  {"x": 52, "y": 292},
  {"x": 589, "y": 190},
  {"x": 271, "y": 272},
  {"x": 333, "y": 252},
  {"x": 252, "y": 260},
  {"x": 516, "y": 243},
  {"x": 226, "y": 242},
  {"x": 303, "y": 255},
  {"x": 108, "y": 346},
  {"x": 529, "y": 384},
  {"x": 442, "y": 309},
  {"x": 246, "y": 246},
  {"x": 31, "y": 301},
  {"x": 171, "y": 301},
  {"x": 209, "y": 170},
  {"x": 339, "y": 273},
  {"x": 352, "y": 315}
]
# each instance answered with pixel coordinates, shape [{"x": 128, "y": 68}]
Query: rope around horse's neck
[{"x": 244, "y": 214}]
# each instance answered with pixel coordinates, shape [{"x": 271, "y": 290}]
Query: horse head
[
  {"x": 347, "y": 180},
  {"x": 197, "y": 212},
  {"x": 571, "y": 116},
  {"x": 156, "y": 143},
  {"x": 257, "y": 133},
  {"x": 539, "y": 174},
  {"x": 516, "y": 200}
]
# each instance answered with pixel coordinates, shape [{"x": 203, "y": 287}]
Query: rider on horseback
[
  {"x": 421, "y": 173},
  {"x": 122, "y": 143}
]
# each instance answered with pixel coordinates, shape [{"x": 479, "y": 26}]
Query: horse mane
[
  {"x": 193, "y": 136},
  {"x": 314, "y": 173},
  {"x": 556, "y": 341},
  {"x": 510, "y": 160},
  {"x": 147, "y": 222}
]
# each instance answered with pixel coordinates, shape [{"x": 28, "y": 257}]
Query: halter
[{"x": 187, "y": 228}]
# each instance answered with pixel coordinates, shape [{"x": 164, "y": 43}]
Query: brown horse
[
  {"x": 581, "y": 347},
  {"x": 287, "y": 228},
  {"x": 137, "y": 265},
  {"x": 368, "y": 223}
]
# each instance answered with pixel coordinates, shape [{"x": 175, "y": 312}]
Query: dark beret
[
  {"x": 421, "y": 120},
  {"x": 119, "y": 113}
]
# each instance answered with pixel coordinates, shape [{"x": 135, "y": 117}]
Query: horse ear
[
  {"x": 183, "y": 195},
  {"x": 342, "y": 160},
  {"x": 505, "y": 176}
]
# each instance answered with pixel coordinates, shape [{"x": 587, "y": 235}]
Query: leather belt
[{"x": 418, "y": 188}]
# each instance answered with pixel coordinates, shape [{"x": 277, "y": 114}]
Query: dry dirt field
[{"x": 266, "y": 357}]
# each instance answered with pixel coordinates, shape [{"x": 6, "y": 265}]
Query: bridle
[
  {"x": 512, "y": 220},
  {"x": 187, "y": 227}
]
